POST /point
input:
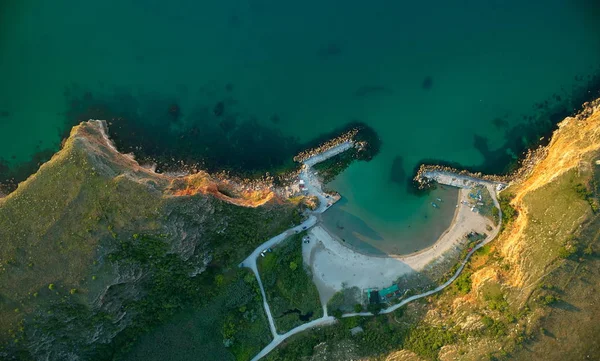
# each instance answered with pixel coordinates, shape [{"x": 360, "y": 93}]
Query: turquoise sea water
[{"x": 452, "y": 81}]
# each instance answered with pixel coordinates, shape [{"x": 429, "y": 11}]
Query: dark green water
[{"x": 471, "y": 82}]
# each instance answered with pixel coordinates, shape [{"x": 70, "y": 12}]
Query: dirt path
[
  {"x": 439, "y": 288},
  {"x": 313, "y": 187}
]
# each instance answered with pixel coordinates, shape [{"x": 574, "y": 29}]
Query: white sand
[{"x": 333, "y": 264}]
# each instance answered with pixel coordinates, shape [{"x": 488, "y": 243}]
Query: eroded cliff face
[
  {"x": 92, "y": 136},
  {"x": 571, "y": 148},
  {"x": 513, "y": 281},
  {"x": 74, "y": 240}
]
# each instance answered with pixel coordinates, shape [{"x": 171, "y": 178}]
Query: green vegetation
[
  {"x": 495, "y": 298},
  {"x": 508, "y": 212},
  {"x": 231, "y": 325},
  {"x": 584, "y": 192},
  {"x": 53, "y": 227},
  {"x": 288, "y": 285},
  {"x": 346, "y": 300},
  {"x": 380, "y": 336},
  {"x": 463, "y": 283},
  {"x": 84, "y": 246},
  {"x": 493, "y": 327},
  {"x": 375, "y": 308},
  {"x": 570, "y": 248},
  {"x": 548, "y": 300},
  {"x": 554, "y": 214},
  {"x": 426, "y": 341}
]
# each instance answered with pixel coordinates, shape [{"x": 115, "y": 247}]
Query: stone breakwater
[
  {"x": 424, "y": 180},
  {"x": 459, "y": 181},
  {"x": 345, "y": 137},
  {"x": 528, "y": 162}
]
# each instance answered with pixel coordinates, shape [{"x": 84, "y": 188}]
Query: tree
[
  {"x": 374, "y": 308},
  {"x": 293, "y": 266},
  {"x": 358, "y": 308}
]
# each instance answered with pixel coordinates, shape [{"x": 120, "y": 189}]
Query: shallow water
[
  {"x": 400, "y": 232},
  {"x": 472, "y": 83}
]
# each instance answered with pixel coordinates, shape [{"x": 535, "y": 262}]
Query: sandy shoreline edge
[{"x": 336, "y": 265}]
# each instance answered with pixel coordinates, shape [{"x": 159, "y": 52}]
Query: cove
[{"x": 475, "y": 84}]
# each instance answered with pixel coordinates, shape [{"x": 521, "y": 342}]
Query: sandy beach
[{"x": 335, "y": 265}]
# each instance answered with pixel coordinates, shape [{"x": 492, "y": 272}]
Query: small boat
[
  {"x": 439, "y": 199},
  {"x": 434, "y": 205}
]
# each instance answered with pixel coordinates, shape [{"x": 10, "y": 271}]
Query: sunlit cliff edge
[
  {"x": 523, "y": 288},
  {"x": 91, "y": 137}
]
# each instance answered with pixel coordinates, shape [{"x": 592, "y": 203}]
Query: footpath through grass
[
  {"x": 292, "y": 296},
  {"x": 231, "y": 326}
]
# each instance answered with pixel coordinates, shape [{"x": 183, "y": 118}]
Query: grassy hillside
[
  {"x": 94, "y": 253},
  {"x": 53, "y": 227}
]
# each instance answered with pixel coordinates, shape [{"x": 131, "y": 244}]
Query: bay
[{"x": 468, "y": 82}]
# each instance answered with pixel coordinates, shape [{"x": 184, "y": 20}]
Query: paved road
[
  {"x": 318, "y": 158},
  {"x": 250, "y": 262},
  {"x": 489, "y": 238},
  {"x": 314, "y": 188}
]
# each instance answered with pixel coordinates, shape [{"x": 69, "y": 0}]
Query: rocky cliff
[
  {"x": 94, "y": 246},
  {"x": 524, "y": 289}
]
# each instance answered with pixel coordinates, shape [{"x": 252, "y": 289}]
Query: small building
[{"x": 388, "y": 293}]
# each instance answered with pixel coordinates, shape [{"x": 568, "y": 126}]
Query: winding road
[
  {"x": 313, "y": 187},
  {"x": 439, "y": 288}
]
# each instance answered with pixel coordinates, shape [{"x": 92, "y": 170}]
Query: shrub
[
  {"x": 493, "y": 327},
  {"x": 463, "y": 283},
  {"x": 487, "y": 321},
  {"x": 426, "y": 341},
  {"x": 51, "y": 287},
  {"x": 358, "y": 308},
  {"x": 548, "y": 300},
  {"x": 508, "y": 212},
  {"x": 569, "y": 249},
  {"x": 374, "y": 308},
  {"x": 337, "y": 313},
  {"x": 497, "y": 303}
]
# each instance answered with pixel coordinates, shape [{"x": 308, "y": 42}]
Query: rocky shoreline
[
  {"x": 345, "y": 137},
  {"x": 526, "y": 164}
]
